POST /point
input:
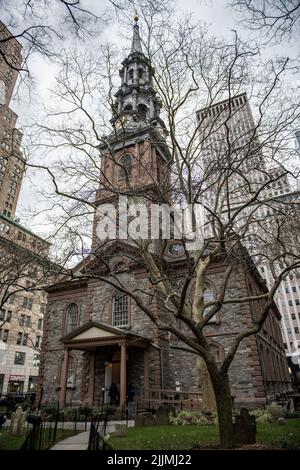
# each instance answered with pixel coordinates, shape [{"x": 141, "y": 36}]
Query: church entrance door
[
  {"x": 107, "y": 382},
  {"x": 112, "y": 375}
]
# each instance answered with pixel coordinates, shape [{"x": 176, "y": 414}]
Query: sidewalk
[{"x": 80, "y": 441}]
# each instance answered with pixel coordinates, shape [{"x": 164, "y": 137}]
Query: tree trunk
[
  {"x": 207, "y": 391},
  {"x": 224, "y": 406}
]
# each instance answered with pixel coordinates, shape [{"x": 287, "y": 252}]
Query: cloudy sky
[{"x": 217, "y": 14}]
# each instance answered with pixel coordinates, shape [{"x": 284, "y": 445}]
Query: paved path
[{"x": 80, "y": 441}]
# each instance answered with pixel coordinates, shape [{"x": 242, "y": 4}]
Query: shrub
[
  {"x": 110, "y": 410},
  {"x": 263, "y": 416},
  {"x": 289, "y": 442},
  {"x": 189, "y": 417},
  {"x": 49, "y": 410},
  {"x": 275, "y": 410},
  {"x": 86, "y": 411},
  {"x": 293, "y": 415}
]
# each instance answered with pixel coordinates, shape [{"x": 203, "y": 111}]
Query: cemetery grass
[
  {"x": 195, "y": 436},
  {"x": 9, "y": 442}
]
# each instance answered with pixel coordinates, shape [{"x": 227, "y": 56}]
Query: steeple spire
[
  {"x": 137, "y": 104},
  {"x": 136, "y": 40}
]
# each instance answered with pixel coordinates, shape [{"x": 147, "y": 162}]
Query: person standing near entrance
[
  {"x": 130, "y": 392},
  {"x": 113, "y": 393}
]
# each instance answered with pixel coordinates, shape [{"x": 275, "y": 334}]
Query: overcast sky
[{"x": 216, "y": 13}]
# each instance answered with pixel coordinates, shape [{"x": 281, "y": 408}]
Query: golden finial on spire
[{"x": 136, "y": 17}]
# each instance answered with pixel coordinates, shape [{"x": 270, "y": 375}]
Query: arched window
[
  {"x": 141, "y": 73},
  {"x": 126, "y": 168},
  {"x": 142, "y": 110},
  {"x": 128, "y": 107},
  {"x": 120, "y": 315},
  {"x": 71, "y": 320},
  {"x": 130, "y": 74}
]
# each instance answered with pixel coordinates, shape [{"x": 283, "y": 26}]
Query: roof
[
  {"x": 10, "y": 221},
  {"x": 97, "y": 333}
]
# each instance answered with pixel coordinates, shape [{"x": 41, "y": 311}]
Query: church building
[{"x": 96, "y": 336}]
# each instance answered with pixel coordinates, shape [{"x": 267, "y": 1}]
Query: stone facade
[{"x": 254, "y": 374}]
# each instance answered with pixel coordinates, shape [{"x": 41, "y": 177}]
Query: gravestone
[
  {"x": 120, "y": 430},
  {"x": 244, "y": 428},
  {"x": 149, "y": 419},
  {"x": 132, "y": 409},
  {"x": 162, "y": 416},
  {"x": 139, "y": 421},
  {"x": 17, "y": 425}
]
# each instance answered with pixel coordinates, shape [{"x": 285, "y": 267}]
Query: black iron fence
[
  {"x": 54, "y": 425},
  {"x": 42, "y": 436},
  {"x": 47, "y": 429},
  {"x": 98, "y": 435}
]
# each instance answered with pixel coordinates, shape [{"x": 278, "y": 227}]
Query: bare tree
[
  {"x": 230, "y": 181},
  {"x": 275, "y": 18},
  {"x": 43, "y": 27},
  {"x": 24, "y": 273}
]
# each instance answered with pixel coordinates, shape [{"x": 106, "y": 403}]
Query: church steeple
[
  {"x": 136, "y": 102},
  {"x": 136, "y": 155},
  {"x": 136, "y": 40}
]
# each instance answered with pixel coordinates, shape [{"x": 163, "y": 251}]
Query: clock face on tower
[{"x": 176, "y": 249}]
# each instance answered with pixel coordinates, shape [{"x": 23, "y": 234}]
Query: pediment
[
  {"x": 93, "y": 332},
  {"x": 100, "y": 333}
]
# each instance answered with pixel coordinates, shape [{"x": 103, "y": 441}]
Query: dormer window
[{"x": 126, "y": 166}]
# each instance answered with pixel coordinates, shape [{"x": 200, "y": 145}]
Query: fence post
[{"x": 56, "y": 421}]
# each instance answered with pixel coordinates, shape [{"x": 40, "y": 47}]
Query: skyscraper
[
  {"x": 231, "y": 138},
  {"x": 22, "y": 303},
  {"x": 11, "y": 159}
]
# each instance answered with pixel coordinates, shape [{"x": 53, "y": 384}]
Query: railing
[
  {"x": 42, "y": 436},
  {"x": 153, "y": 398},
  {"x": 98, "y": 436},
  {"x": 54, "y": 426}
]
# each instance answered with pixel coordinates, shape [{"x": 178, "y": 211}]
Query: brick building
[
  {"x": 95, "y": 335},
  {"x": 22, "y": 302}
]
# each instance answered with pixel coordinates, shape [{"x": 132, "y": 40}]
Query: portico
[{"x": 94, "y": 337}]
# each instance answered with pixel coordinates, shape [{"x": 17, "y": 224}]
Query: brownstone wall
[{"x": 255, "y": 374}]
